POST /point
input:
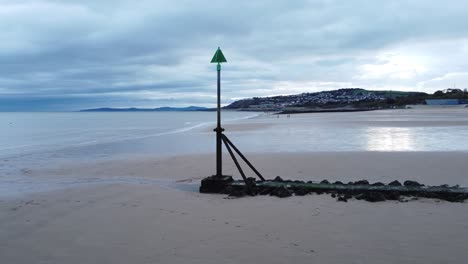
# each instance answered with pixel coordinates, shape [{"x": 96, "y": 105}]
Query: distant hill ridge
[
  {"x": 345, "y": 97},
  {"x": 159, "y": 109}
]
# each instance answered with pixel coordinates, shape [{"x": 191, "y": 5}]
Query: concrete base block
[{"x": 215, "y": 184}]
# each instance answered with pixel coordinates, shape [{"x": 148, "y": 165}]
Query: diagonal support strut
[
  {"x": 228, "y": 143},
  {"x": 234, "y": 159},
  {"x": 247, "y": 184}
]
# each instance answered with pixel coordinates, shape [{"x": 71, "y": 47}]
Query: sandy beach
[
  {"x": 123, "y": 123},
  {"x": 145, "y": 209}
]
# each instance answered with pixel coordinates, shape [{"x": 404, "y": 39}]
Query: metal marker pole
[
  {"x": 219, "y": 170},
  {"x": 219, "y": 58}
]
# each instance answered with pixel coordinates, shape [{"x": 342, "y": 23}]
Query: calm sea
[
  {"x": 35, "y": 140},
  {"x": 94, "y": 135},
  {"x": 91, "y": 134}
]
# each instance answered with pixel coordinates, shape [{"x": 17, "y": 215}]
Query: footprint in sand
[{"x": 16, "y": 208}]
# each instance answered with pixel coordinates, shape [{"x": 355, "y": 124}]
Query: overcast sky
[{"x": 71, "y": 55}]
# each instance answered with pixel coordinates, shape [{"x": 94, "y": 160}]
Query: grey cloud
[{"x": 65, "y": 49}]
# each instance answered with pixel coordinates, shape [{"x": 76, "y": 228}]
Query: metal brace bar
[
  {"x": 236, "y": 162},
  {"x": 226, "y": 140}
]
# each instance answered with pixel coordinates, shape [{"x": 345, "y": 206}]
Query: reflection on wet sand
[{"x": 391, "y": 139}]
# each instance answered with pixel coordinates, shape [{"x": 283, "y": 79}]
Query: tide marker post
[
  {"x": 218, "y": 182},
  {"x": 219, "y": 58}
]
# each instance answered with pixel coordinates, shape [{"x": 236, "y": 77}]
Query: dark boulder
[
  {"x": 301, "y": 191},
  {"x": 395, "y": 183},
  {"x": 374, "y": 197},
  {"x": 251, "y": 186},
  {"x": 281, "y": 192},
  {"x": 236, "y": 192},
  {"x": 454, "y": 198},
  {"x": 278, "y": 179},
  {"x": 251, "y": 180},
  {"x": 392, "y": 196},
  {"x": 342, "y": 199},
  {"x": 324, "y": 182},
  {"x": 360, "y": 196},
  {"x": 338, "y": 182},
  {"x": 378, "y": 184},
  {"x": 264, "y": 190},
  {"x": 361, "y": 182},
  {"x": 412, "y": 183}
]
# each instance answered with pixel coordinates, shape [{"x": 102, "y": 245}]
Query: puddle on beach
[{"x": 15, "y": 187}]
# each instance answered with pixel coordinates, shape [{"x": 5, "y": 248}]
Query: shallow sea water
[{"x": 38, "y": 140}]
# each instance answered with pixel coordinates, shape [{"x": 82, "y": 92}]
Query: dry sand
[{"x": 145, "y": 210}]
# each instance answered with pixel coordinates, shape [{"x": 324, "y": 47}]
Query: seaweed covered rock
[
  {"x": 281, "y": 192},
  {"x": 342, "y": 199},
  {"x": 278, "y": 179},
  {"x": 301, "y": 191},
  {"x": 392, "y": 196},
  {"x": 360, "y": 190},
  {"x": 262, "y": 190},
  {"x": 375, "y": 197},
  {"x": 412, "y": 184},
  {"x": 454, "y": 198},
  {"x": 235, "y": 191},
  {"x": 360, "y": 196},
  {"x": 371, "y": 197},
  {"x": 251, "y": 186},
  {"x": 361, "y": 182},
  {"x": 395, "y": 183}
]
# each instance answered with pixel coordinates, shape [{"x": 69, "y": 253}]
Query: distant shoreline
[
  {"x": 325, "y": 111},
  {"x": 160, "y": 109},
  {"x": 344, "y": 110}
]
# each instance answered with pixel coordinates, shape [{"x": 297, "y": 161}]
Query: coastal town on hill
[{"x": 352, "y": 99}]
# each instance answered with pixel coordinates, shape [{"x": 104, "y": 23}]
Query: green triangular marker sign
[{"x": 218, "y": 57}]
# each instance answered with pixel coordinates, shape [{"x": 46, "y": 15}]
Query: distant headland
[
  {"x": 341, "y": 100},
  {"x": 159, "y": 109}
]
